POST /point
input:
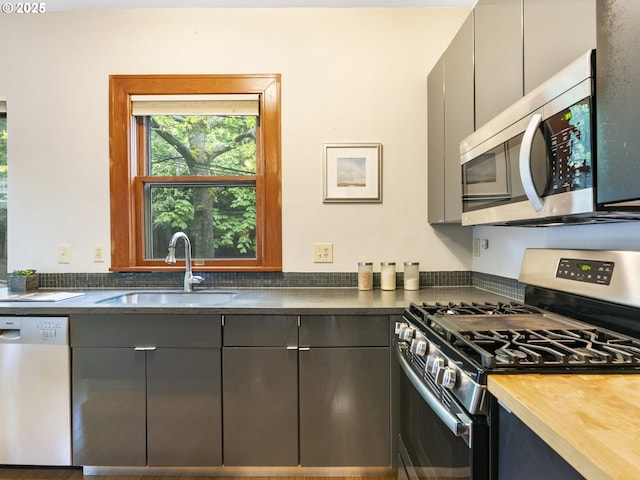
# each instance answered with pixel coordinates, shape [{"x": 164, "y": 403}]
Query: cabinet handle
[
  {"x": 292, "y": 348},
  {"x": 144, "y": 349},
  {"x": 304, "y": 349}
]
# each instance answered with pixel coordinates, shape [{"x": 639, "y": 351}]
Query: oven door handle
[{"x": 458, "y": 424}]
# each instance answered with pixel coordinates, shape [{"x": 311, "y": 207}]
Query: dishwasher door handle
[{"x": 144, "y": 349}]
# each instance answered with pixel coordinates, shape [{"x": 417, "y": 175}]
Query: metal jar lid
[
  {"x": 363, "y": 264},
  {"x": 411, "y": 263},
  {"x": 387, "y": 263}
]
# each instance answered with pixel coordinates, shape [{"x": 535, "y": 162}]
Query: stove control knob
[
  {"x": 448, "y": 377},
  {"x": 399, "y": 327},
  {"x": 407, "y": 333},
  {"x": 419, "y": 346},
  {"x": 434, "y": 364}
]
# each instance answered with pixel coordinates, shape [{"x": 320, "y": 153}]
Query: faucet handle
[{"x": 196, "y": 279}]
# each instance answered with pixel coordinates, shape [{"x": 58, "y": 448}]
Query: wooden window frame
[{"x": 127, "y": 167}]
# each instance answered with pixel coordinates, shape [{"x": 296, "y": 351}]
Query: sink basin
[{"x": 202, "y": 298}]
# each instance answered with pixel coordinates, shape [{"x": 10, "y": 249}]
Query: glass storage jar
[
  {"x": 388, "y": 275},
  {"x": 411, "y": 275},
  {"x": 365, "y": 276}
]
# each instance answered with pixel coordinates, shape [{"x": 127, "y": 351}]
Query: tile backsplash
[{"x": 117, "y": 280}]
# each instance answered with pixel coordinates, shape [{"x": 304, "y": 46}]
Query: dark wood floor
[{"x": 22, "y": 473}]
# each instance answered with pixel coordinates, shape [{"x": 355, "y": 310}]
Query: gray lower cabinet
[
  {"x": 325, "y": 403},
  {"x": 146, "y": 390},
  {"x": 260, "y": 390},
  {"x": 344, "y": 364}
]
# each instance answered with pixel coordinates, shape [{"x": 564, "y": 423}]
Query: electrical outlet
[
  {"x": 64, "y": 253},
  {"x": 98, "y": 253},
  {"x": 323, "y": 253}
]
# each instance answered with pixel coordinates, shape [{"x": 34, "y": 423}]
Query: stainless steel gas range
[{"x": 581, "y": 314}]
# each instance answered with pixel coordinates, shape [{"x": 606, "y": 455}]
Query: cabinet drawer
[
  {"x": 260, "y": 330},
  {"x": 344, "y": 331},
  {"x": 131, "y": 330}
]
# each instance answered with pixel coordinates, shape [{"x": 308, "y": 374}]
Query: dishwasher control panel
[{"x": 34, "y": 330}]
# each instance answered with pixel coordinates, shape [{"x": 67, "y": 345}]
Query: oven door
[{"x": 438, "y": 441}]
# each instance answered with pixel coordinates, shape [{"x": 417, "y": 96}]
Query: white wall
[
  {"x": 507, "y": 244},
  {"x": 348, "y": 75}
]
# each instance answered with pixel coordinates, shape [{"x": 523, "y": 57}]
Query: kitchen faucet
[{"x": 189, "y": 277}]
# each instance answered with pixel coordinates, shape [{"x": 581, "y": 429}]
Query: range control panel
[{"x": 589, "y": 271}]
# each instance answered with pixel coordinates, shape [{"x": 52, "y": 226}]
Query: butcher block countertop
[{"x": 592, "y": 421}]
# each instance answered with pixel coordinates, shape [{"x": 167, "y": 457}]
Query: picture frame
[{"x": 352, "y": 173}]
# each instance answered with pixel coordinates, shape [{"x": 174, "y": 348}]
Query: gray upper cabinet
[
  {"x": 618, "y": 114},
  {"x": 498, "y": 57},
  {"x": 450, "y": 119},
  {"x": 556, "y": 32},
  {"x": 435, "y": 147},
  {"x": 521, "y": 43}
]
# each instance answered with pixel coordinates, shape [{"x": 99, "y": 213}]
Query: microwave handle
[{"x": 525, "y": 163}]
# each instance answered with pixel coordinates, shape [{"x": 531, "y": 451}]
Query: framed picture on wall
[{"x": 352, "y": 173}]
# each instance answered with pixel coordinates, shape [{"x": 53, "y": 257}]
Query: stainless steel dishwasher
[{"x": 35, "y": 412}]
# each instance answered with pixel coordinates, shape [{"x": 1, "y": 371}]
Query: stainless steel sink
[{"x": 202, "y": 298}]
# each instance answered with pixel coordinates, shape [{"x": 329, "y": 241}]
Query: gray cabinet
[
  {"x": 344, "y": 364},
  {"x": 450, "y": 119},
  {"x": 260, "y": 390},
  {"x": 618, "y": 113},
  {"x": 521, "y": 43},
  {"x": 498, "y": 57},
  {"x": 556, "y": 32},
  {"x": 141, "y": 394}
]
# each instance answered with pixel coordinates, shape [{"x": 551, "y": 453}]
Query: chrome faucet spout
[{"x": 189, "y": 278}]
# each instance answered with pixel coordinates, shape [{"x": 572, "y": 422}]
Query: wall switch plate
[
  {"x": 64, "y": 253},
  {"x": 98, "y": 253},
  {"x": 323, "y": 253}
]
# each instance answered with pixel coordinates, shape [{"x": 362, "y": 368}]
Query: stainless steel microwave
[{"x": 534, "y": 163}]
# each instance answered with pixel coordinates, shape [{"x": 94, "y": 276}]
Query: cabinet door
[
  {"x": 451, "y": 118},
  {"x": 260, "y": 395},
  {"x": 458, "y": 114},
  {"x": 498, "y": 57},
  {"x": 435, "y": 146},
  {"x": 344, "y": 407},
  {"x": 184, "y": 412},
  {"x": 618, "y": 113},
  {"x": 108, "y": 406},
  {"x": 556, "y": 32}
]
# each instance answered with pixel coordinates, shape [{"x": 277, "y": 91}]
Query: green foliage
[
  {"x": 23, "y": 273},
  {"x": 3, "y": 145},
  {"x": 220, "y": 218}
]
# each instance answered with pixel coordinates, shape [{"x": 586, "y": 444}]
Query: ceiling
[{"x": 57, "y": 5}]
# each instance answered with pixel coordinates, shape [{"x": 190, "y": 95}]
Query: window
[
  {"x": 3, "y": 191},
  {"x": 199, "y": 154}
]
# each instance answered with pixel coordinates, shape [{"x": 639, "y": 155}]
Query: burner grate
[
  {"x": 475, "y": 308},
  {"x": 537, "y": 348}
]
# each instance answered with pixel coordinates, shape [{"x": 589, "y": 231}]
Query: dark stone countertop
[{"x": 264, "y": 300}]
